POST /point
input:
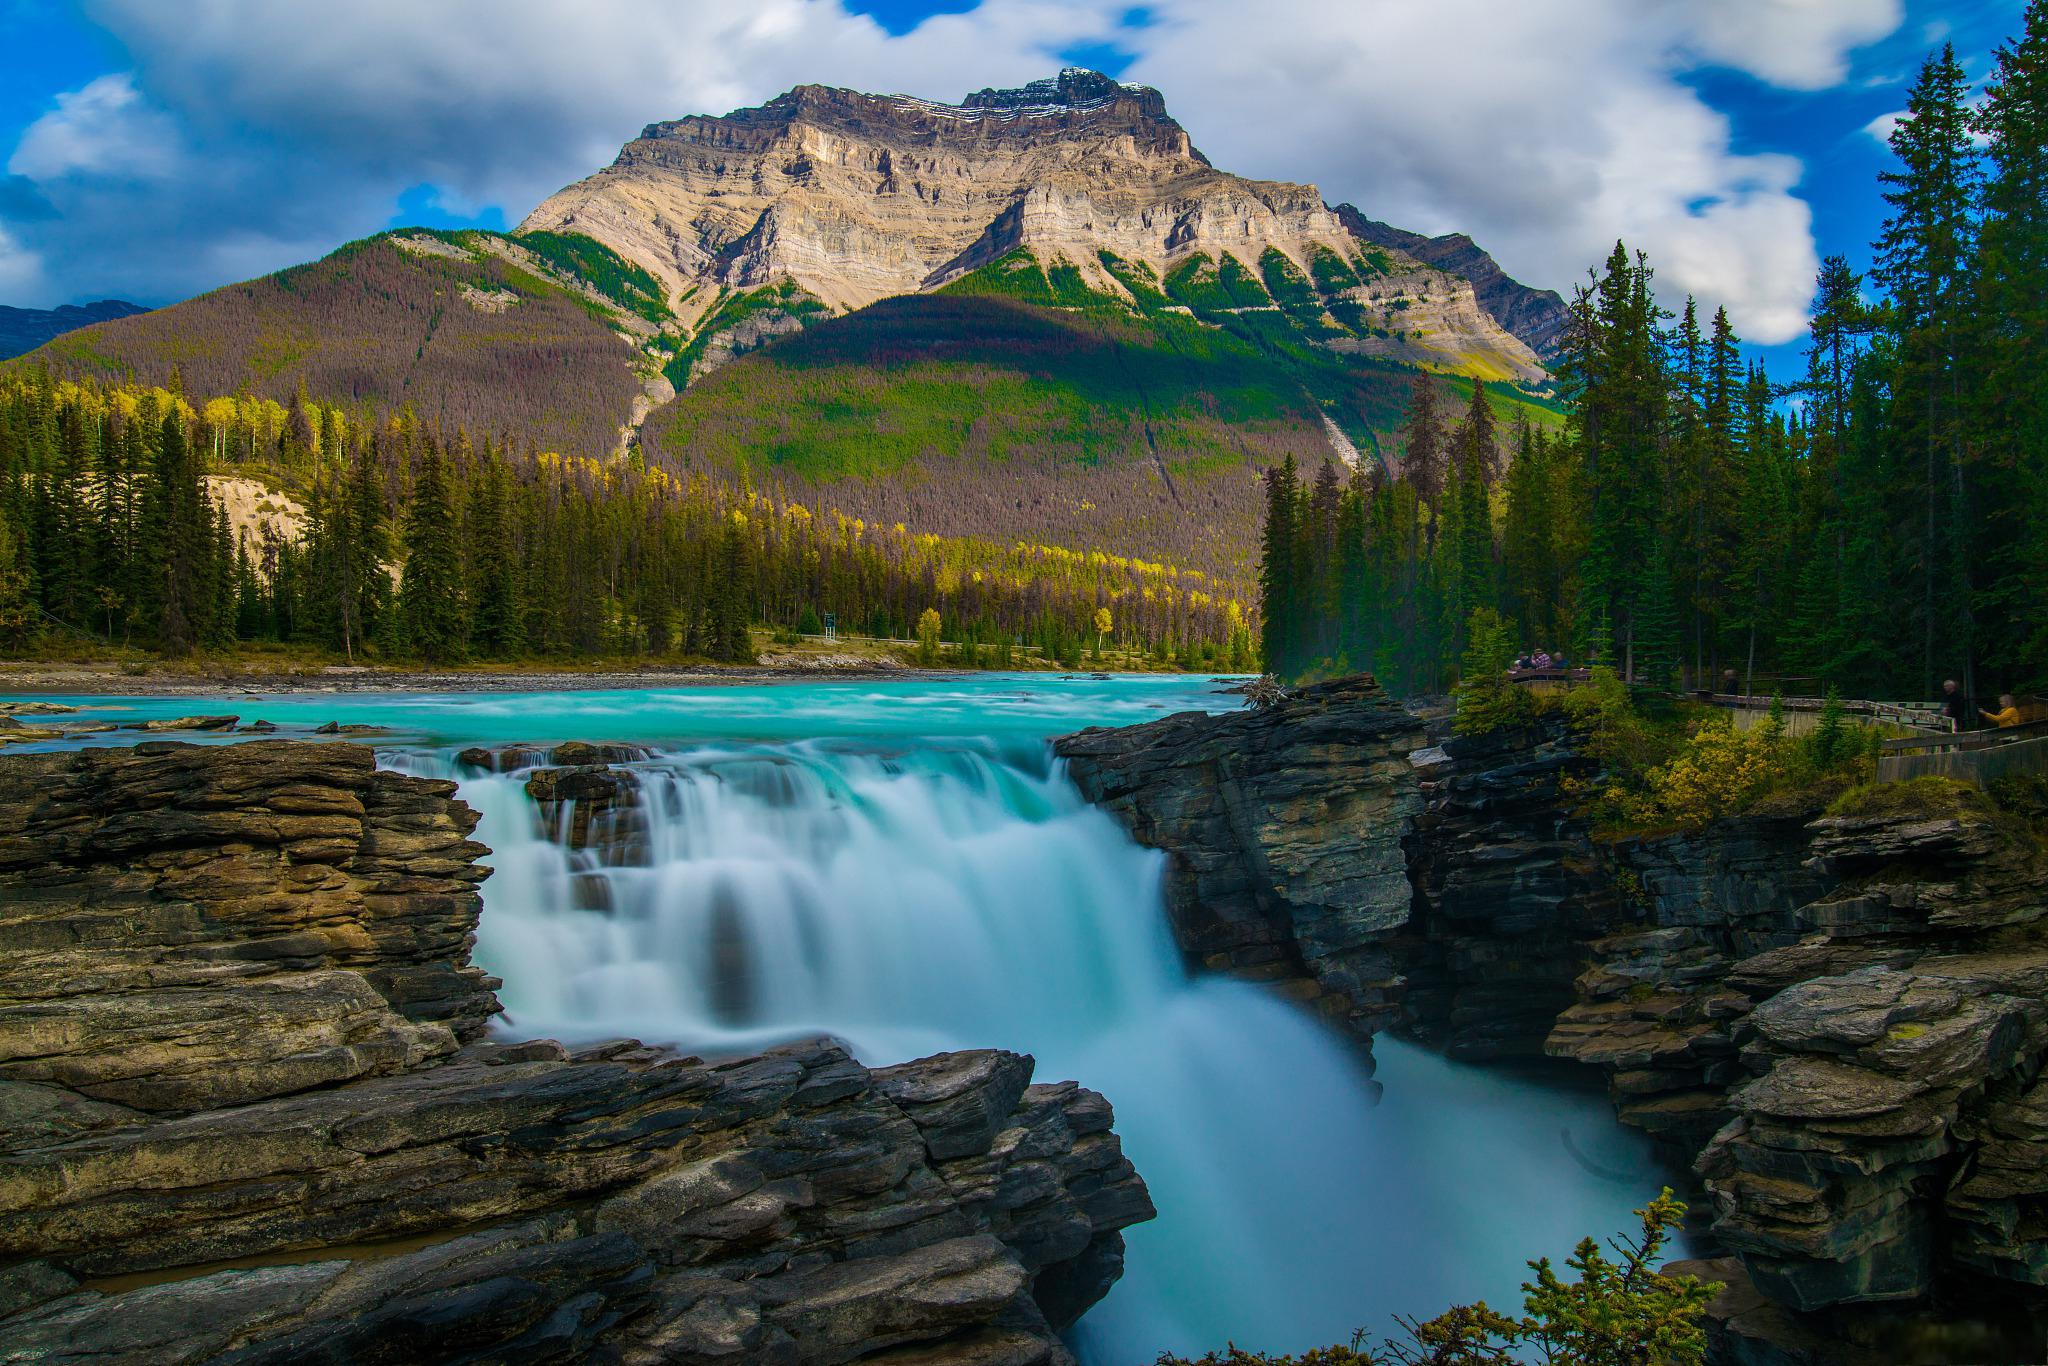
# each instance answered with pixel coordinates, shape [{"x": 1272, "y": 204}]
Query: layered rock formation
[
  {"x": 248, "y": 1114},
  {"x": 857, "y": 197},
  {"x": 1839, "y": 1019},
  {"x": 1537, "y": 316},
  {"x": 1283, "y": 832}
]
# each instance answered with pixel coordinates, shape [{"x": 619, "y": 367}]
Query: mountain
[
  {"x": 1037, "y": 314},
  {"x": 24, "y": 329},
  {"x": 1536, "y": 316},
  {"x": 470, "y": 329},
  {"x": 852, "y": 198}
]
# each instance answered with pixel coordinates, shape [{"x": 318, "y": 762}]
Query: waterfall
[{"x": 910, "y": 897}]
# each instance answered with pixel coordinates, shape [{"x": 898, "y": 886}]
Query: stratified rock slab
[
  {"x": 1284, "y": 827},
  {"x": 242, "y": 1067}
]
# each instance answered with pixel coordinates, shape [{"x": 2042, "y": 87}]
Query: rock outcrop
[
  {"x": 1283, "y": 830},
  {"x": 248, "y": 1114},
  {"x": 1537, "y": 316},
  {"x": 1505, "y": 894},
  {"x": 1839, "y": 1019}
]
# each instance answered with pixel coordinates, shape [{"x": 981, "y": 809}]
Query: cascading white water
[{"x": 958, "y": 893}]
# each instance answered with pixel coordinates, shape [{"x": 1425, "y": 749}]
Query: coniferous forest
[
  {"x": 1877, "y": 527},
  {"x": 413, "y": 546}
]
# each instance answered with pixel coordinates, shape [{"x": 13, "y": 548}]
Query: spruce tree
[
  {"x": 181, "y": 513},
  {"x": 496, "y": 621},
  {"x": 1924, "y": 260},
  {"x": 431, "y": 586},
  {"x": 2011, "y": 421},
  {"x": 1278, "y": 597}
]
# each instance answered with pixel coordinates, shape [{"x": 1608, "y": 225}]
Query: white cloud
[
  {"x": 1796, "y": 44},
  {"x": 21, "y": 271},
  {"x": 104, "y": 130},
  {"x": 1884, "y": 125},
  {"x": 1545, "y": 131}
]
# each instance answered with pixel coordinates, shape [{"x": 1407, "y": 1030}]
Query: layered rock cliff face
[
  {"x": 248, "y": 1114},
  {"x": 1283, "y": 833},
  {"x": 1537, "y": 316},
  {"x": 1839, "y": 1020},
  {"x": 857, "y": 197}
]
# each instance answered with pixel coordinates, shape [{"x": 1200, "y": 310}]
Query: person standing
[
  {"x": 1956, "y": 707},
  {"x": 2007, "y": 715}
]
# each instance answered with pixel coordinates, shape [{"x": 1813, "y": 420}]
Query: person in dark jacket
[{"x": 1956, "y": 707}]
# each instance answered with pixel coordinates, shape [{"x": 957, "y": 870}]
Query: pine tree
[
  {"x": 2011, "y": 422},
  {"x": 431, "y": 588},
  {"x": 1924, "y": 260},
  {"x": 494, "y": 572},
  {"x": 221, "y": 615},
  {"x": 732, "y": 591},
  {"x": 1278, "y": 600},
  {"x": 1425, "y": 459},
  {"x": 185, "y": 541},
  {"x": 1656, "y": 623}
]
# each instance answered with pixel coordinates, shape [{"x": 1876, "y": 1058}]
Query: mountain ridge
[
  {"x": 856, "y": 197},
  {"x": 1041, "y": 314},
  {"x": 24, "y": 329},
  {"x": 1537, "y": 316}
]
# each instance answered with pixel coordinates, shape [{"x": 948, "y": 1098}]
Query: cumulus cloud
[
  {"x": 1544, "y": 131},
  {"x": 105, "y": 131},
  {"x": 21, "y": 273}
]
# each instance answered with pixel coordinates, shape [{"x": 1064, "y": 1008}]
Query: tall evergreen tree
[
  {"x": 2011, "y": 421},
  {"x": 1278, "y": 598},
  {"x": 431, "y": 586},
  {"x": 181, "y": 516},
  {"x": 1924, "y": 263}
]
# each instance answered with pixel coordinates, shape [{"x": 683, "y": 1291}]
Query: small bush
[
  {"x": 1487, "y": 700},
  {"x": 1622, "y": 1312},
  {"x": 1929, "y": 797}
]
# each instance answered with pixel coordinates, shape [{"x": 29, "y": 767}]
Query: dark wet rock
[
  {"x": 190, "y": 926},
  {"x": 1284, "y": 829},
  {"x": 1840, "y": 1018},
  {"x": 593, "y": 808},
  {"x": 1506, "y": 893},
  {"x": 238, "y": 1026},
  {"x": 176, "y": 723}
]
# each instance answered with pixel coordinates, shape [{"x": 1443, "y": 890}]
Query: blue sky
[{"x": 152, "y": 151}]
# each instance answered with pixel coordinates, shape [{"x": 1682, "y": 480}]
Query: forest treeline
[
  {"x": 1878, "y": 527},
  {"x": 419, "y": 545}
]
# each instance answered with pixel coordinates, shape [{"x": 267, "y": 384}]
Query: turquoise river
[{"x": 905, "y": 866}]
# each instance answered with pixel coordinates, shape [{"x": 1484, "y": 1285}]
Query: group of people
[
  {"x": 1539, "y": 660},
  {"x": 1956, "y": 707}
]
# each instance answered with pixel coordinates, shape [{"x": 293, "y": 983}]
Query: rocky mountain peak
[
  {"x": 855, "y": 197},
  {"x": 1073, "y": 87}
]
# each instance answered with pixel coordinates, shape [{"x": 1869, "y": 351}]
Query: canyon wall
[
  {"x": 250, "y": 1112},
  {"x": 1837, "y": 1021}
]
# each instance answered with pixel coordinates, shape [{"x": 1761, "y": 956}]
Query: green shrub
[
  {"x": 1929, "y": 797},
  {"x": 1487, "y": 701},
  {"x": 1622, "y": 1312}
]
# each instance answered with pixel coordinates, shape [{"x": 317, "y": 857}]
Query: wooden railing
[{"x": 1973, "y": 756}]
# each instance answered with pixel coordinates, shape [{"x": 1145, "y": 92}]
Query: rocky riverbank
[
  {"x": 1838, "y": 1021},
  {"x": 250, "y": 1112}
]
